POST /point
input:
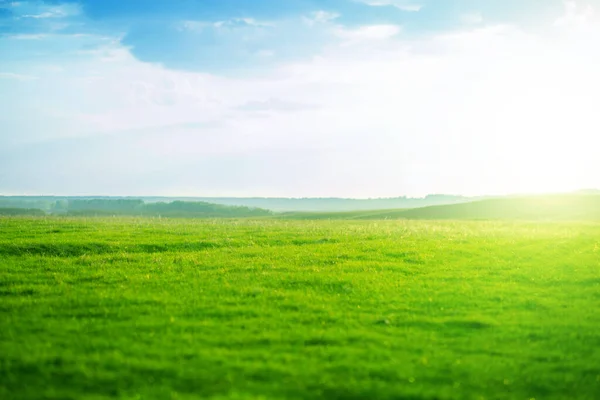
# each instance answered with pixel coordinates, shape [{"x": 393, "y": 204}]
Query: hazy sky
[{"x": 353, "y": 98}]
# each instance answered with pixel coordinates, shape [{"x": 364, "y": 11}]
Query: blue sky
[
  {"x": 298, "y": 97},
  {"x": 221, "y": 35}
]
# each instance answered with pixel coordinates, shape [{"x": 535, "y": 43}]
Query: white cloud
[
  {"x": 198, "y": 26},
  {"x": 320, "y": 17},
  {"x": 369, "y": 32},
  {"x": 43, "y": 15},
  {"x": 18, "y": 77},
  {"x": 276, "y": 105},
  {"x": 576, "y": 13},
  {"x": 250, "y": 22},
  {"x": 59, "y": 11},
  {"x": 400, "y": 4},
  {"x": 488, "y": 110},
  {"x": 30, "y": 36},
  {"x": 472, "y": 18}
]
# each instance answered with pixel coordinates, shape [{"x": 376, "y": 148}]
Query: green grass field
[{"x": 273, "y": 309}]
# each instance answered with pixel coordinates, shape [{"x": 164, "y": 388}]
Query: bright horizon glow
[{"x": 353, "y": 99}]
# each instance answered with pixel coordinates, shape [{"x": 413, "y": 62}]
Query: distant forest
[
  {"x": 60, "y": 204},
  {"x": 123, "y": 207},
  {"x": 433, "y": 206},
  {"x": 333, "y": 204}
]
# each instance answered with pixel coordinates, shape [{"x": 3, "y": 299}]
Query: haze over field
[{"x": 331, "y": 98}]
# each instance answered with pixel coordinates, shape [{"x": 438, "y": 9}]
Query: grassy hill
[{"x": 576, "y": 207}]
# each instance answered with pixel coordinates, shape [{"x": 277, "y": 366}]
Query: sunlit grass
[{"x": 155, "y": 308}]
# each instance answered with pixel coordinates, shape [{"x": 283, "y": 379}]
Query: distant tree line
[
  {"x": 13, "y": 212},
  {"x": 62, "y": 204},
  {"x": 136, "y": 207}
]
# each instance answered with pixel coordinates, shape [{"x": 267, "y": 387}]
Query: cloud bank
[{"x": 351, "y": 107}]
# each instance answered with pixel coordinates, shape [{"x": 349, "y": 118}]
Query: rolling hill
[{"x": 575, "y": 207}]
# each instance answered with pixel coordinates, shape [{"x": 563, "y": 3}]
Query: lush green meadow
[{"x": 247, "y": 309}]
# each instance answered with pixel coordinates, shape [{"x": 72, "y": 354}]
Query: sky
[{"x": 299, "y": 98}]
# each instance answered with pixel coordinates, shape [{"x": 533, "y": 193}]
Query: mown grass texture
[{"x": 248, "y": 309}]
